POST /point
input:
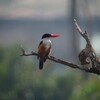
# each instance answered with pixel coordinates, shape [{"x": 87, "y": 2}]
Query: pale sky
[
  {"x": 33, "y": 8},
  {"x": 44, "y": 9}
]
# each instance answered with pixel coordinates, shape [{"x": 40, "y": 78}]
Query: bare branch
[
  {"x": 83, "y": 34},
  {"x": 86, "y": 56},
  {"x": 88, "y": 53},
  {"x": 72, "y": 65},
  {"x": 78, "y": 27},
  {"x": 28, "y": 54},
  {"x": 53, "y": 59}
]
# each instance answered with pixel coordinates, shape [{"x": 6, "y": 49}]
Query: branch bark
[
  {"x": 87, "y": 56},
  {"x": 52, "y": 58}
]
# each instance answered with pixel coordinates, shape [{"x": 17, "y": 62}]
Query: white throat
[{"x": 47, "y": 42}]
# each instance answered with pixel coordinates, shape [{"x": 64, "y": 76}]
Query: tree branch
[
  {"x": 83, "y": 34},
  {"x": 56, "y": 60},
  {"x": 52, "y": 58},
  {"x": 86, "y": 53}
]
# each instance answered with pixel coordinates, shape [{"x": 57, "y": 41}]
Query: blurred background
[{"x": 22, "y": 23}]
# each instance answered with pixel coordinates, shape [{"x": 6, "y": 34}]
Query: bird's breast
[
  {"x": 47, "y": 44},
  {"x": 45, "y": 48}
]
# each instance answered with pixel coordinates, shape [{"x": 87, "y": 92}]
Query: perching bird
[{"x": 44, "y": 48}]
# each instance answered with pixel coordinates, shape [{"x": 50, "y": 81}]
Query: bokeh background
[{"x": 22, "y": 23}]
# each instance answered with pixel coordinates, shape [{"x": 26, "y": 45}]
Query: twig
[{"x": 27, "y": 54}]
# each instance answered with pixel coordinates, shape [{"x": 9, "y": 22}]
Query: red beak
[{"x": 55, "y": 35}]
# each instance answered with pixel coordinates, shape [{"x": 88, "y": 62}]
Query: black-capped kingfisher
[{"x": 44, "y": 48}]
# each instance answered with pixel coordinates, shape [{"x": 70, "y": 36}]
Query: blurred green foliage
[{"x": 20, "y": 79}]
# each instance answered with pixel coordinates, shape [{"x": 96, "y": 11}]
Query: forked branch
[{"x": 87, "y": 55}]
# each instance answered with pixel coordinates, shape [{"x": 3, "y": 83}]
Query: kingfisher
[{"x": 44, "y": 48}]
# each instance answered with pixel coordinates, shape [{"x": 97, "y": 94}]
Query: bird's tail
[{"x": 41, "y": 64}]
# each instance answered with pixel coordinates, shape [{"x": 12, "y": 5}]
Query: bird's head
[{"x": 47, "y": 35}]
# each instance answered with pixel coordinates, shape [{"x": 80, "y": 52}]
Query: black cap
[{"x": 47, "y": 35}]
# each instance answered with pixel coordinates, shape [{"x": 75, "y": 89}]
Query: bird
[{"x": 44, "y": 48}]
